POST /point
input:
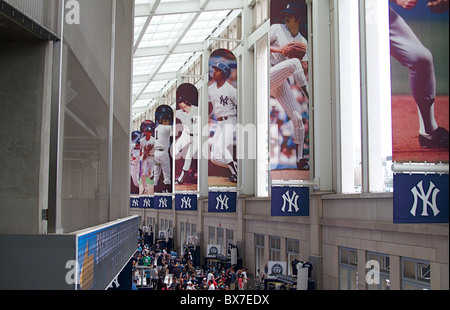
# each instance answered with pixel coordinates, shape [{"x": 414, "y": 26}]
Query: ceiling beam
[{"x": 192, "y": 6}]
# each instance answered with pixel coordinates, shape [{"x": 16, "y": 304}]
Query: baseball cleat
[
  {"x": 303, "y": 164},
  {"x": 439, "y": 140},
  {"x": 233, "y": 178}
]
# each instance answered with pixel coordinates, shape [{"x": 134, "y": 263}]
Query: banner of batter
[
  {"x": 135, "y": 164},
  {"x": 186, "y": 139},
  {"x": 419, "y": 36},
  {"x": 223, "y": 117},
  {"x": 289, "y": 98},
  {"x": 147, "y": 144},
  {"x": 162, "y": 171}
]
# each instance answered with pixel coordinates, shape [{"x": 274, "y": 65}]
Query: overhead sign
[{"x": 420, "y": 198}]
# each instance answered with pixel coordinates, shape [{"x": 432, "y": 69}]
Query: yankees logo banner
[
  {"x": 186, "y": 203},
  {"x": 186, "y": 139},
  {"x": 163, "y": 203},
  {"x": 421, "y": 198},
  {"x": 222, "y": 202},
  {"x": 146, "y": 202},
  {"x": 223, "y": 117},
  {"x": 290, "y": 201}
]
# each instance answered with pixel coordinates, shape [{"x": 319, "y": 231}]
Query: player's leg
[
  {"x": 287, "y": 100},
  {"x": 229, "y": 138},
  {"x": 144, "y": 173},
  {"x": 282, "y": 71},
  {"x": 411, "y": 53}
]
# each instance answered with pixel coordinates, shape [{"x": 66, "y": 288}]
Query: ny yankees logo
[
  {"x": 186, "y": 203},
  {"x": 163, "y": 203},
  {"x": 291, "y": 200},
  {"x": 432, "y": 190},
  {"x": 222, "y": 202},
  {"x": 147, "y": 203},
  {"x": 135, "y": 203},
  {"x": 224, "y": 101}
]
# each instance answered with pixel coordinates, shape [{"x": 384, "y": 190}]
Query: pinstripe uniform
[{"x": 283, "y": 68}]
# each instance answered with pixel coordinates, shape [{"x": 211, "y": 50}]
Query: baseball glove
[
  {"x": 438, "y": 6},
  {"x": 294, "y": 50}
]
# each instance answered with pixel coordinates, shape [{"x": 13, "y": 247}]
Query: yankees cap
[{"x": 293, "y": 9}]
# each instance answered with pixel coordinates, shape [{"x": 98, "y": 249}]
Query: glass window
[
  {"x": 212, "y": 235},
  {"x": 275, "y": 248},
  {"x": 259, "y": 252},
  {"x": 416, "y": 275},
  {"x": 348, "y": 272},
  {"x": 350, "y": 96},
  {"x": 293, "y": 253},
  {"x": 384, "y": 264}
]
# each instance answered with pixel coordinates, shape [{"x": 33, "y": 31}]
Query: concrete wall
[{"x": 22, "y": 105}]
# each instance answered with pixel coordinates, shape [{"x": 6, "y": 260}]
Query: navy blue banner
[
  {"x": 163, "y": 203},
  {"x": 185, "y": 202},
  {"x": 146, "y": 202},
  {"x": 222, "y": 202},
  {"x": 290, "y": 201},
  {"x": 134, "y": 202},
  {"x": 421, "y": 198}
]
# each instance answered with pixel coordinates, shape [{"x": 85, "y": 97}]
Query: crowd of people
[{"x": 157, "y": 268}]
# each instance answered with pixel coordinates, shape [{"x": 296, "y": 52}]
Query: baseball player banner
[
  {"x": 290, "y": 201},
  {"x": 186, "y": 139},
  {"x": 134, "y": 169},
  {"x": 420, "y": 198},
  {"x": 147, "y": 144},
  {"x": 419, "y": 36},
  {"x": 162, "y": 202},
  {"x": 162, "y": 171},
  {"x": 222, "y": 202},
  {"x": 223, "y": 117},
  {"x": 289, "y": 97},
  {"x": 186, "y": 202}
]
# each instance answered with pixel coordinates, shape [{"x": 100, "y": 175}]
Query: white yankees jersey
[
  {"x": 162, "y": 135},
  {"x": 147, "y": 147},
  {"x": 281, "y": 36},
  {"x": 224, "y": 100},
  {"x": 135, "y": 156},
  {"x": 189, "y": 120}
]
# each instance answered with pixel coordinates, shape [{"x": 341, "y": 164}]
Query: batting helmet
[{"x": 224, "y": 68}]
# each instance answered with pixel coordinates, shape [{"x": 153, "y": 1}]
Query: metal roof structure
[{"x": 169, "y": 36}]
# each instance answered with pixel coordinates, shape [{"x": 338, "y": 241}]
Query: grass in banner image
[
  {"x": 414, "y": 112},
  {"x": 289, "y": 97}
]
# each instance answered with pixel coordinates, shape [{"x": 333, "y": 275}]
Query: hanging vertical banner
[
  {"x": 147, "y": 163},
  {"x": 290, "y": 201},
  {"x": 289, "y": 99},
  {"x": 223, "y": 118},
  {"x": 419, "y": 69},
  {"x": 134, "y": 168},
  {"x": 162, "y": 171},
  {"x": 186, "y": 139},
  {"x": 420, "y": 198}
]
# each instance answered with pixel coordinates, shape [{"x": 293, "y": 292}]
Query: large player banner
[
  {"x": 186, "y": 139},
  {"x": 162, "y": 171},
  {"x": 147, "y": 144},
  {"x": 223, "y": 102},
  {"x": 135, "y": 165},
  {"x": 419, "y": 37},
  {"x": 289, "y": 98}
]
